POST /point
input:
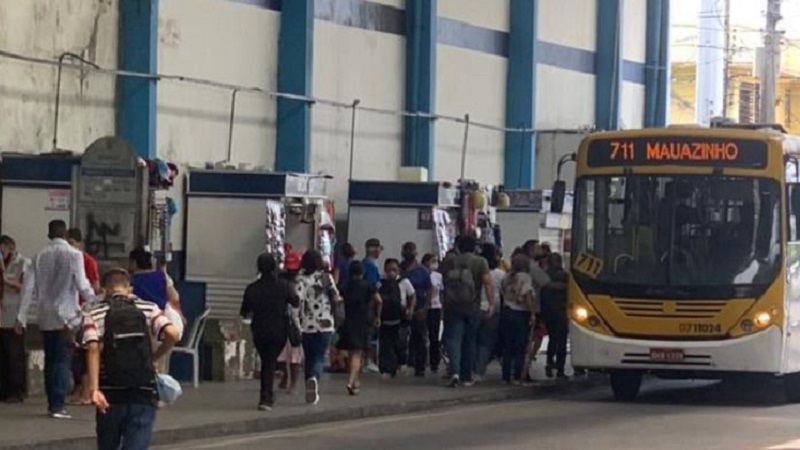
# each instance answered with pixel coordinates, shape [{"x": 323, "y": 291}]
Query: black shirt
[
  {"x": 554, "y": 300},
  {"x": 357, "y": 299},
  {"x": 266, "y": 302}
]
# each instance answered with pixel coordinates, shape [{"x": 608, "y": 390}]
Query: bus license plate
[{"x": 666, "y": 354}]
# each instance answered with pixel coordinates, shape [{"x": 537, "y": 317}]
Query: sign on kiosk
[{"x": 741, "y": 153}]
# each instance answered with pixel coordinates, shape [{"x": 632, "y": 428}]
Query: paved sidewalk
[{"x": 220, "y": 409}]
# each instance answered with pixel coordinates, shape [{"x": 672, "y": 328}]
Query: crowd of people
[
  {"x": 408, "y": 317},
  {"x": 105, "y": 338}
]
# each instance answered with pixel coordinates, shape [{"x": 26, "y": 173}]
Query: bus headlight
[
  {"x": 763, "y": 319},
  {"x": 581, "y": 314}
]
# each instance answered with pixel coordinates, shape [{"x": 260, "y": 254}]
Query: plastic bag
[{"x": 169, "y": 390}]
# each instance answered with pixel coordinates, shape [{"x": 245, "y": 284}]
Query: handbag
[{"x": 293, "y": 330}]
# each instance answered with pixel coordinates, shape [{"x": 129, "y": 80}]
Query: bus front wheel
[
  {"x": 626, "y": 385},
  {"x": 791, "y": 387}
]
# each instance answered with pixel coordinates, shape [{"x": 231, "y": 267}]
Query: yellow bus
[{"x": 686, "y": 256}]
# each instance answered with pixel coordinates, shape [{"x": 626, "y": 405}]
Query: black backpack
[
  {"x": 459, "y": 289},
  {"x": 392, "y": 303},
  {"x": 127, "y": 355}
]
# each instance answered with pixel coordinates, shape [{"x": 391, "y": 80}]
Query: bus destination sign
[{"x": 682, "y": 151}]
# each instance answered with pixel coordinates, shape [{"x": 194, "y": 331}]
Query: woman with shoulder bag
[
  {"x": 267, "y": 301},
  {"x": 318, "y": 300}
]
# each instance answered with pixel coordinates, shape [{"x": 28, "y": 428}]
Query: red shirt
[{"x": 92, "y": 272}]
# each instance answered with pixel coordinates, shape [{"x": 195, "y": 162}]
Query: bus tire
[
  {"x": 626, "y": 385},
  {"x": 791, "y": 387}
]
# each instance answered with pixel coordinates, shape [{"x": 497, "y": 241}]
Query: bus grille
[{"x": 670, "y": 308}]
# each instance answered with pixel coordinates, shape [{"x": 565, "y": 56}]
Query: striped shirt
[{"x": 94, "y": 320}]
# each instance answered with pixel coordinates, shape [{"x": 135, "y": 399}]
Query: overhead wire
[{"x": 158, "y": 77}]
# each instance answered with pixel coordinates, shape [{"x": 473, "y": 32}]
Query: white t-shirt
[
  {"x": 438, "y": 287},
  {"x": 406, "y": 290},
  {"x": 497, "y": 282}
]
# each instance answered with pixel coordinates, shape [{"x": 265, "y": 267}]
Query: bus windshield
[{"x": 679, "y": 232}]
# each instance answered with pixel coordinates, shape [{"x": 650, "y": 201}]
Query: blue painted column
[
  {"x": 608, "y": 64},
  {"x": 421, "y": 33},
  {"x": 520, "y": 151},
  {"x": 657, "y": 67},
  {"x": 295, "y": 76},
  {"x": 136, "y": 97}
]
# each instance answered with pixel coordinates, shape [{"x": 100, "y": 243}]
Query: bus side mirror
[{"x": 557, "y": 197}]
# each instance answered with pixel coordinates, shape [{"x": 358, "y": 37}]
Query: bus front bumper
[{"x": 759, "y": 352}]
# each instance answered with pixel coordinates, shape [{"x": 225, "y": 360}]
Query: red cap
[{"x": 292, "y": 262}]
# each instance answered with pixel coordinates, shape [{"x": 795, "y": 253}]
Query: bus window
[{"x": 793, "y": 203}]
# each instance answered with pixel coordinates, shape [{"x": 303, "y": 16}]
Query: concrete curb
[{"x": 267, "y": 424}]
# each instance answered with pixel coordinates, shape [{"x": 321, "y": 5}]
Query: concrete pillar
[
  {"x": 295, "y": 76},
  {"x": 137, "y": 97},
  {"x": 608, "y": 64},
  {"x": 421, "y": 31},
  {"x": 520, "y": 148},
  {"x": 657, "y": 71}
]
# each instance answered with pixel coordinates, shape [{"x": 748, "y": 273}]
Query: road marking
[
  {"x": 336, "y": 426},
  {"x": 790, "y": 445}
]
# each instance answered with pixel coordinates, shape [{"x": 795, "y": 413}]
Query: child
[
  {"x": 355, "y": 332},
  {"x": 291, "y": 358},
  {"x": 395, "y": 310}
]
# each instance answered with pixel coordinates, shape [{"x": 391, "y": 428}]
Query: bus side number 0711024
[{"x": 706, "y": 328}]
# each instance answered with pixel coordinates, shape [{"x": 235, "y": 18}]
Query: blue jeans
[
  {"x": 57, "y": 369},
  {"x": 516, "y": 328},
  {"x": 315, "y": 347},
  {"x": 126, "y": 426},
  {"x": 460, "y": 332},
  {"x": 487, "y": 340}
]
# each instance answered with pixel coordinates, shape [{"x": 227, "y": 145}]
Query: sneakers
[
  {"x": 468, "y": 383},
  {"x": 264, "y": 407},
  {"x": 312, "y": 391},
  {"x": 62, "y": 415},
  {"x": 548, "y": 371},
  {"x": 454, "y": 382},
  {"x": 372, "y": 367}
]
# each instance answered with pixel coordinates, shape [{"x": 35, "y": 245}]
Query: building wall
[
  {"x": 46, "y": 29},
  {"x": 349, "y": 64},
  {"x": 240, "y": 49},
  {"x": 471, "y": 81},
  {"x": 565, "y": 73}
]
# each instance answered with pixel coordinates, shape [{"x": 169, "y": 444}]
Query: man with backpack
[
  {"x": 464, "y": 276},
  {"x": 118, "y": 333}
]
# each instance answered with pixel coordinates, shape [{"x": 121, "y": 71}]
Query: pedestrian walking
[
  {"x": 554, "y": 314},
  {"x": 488, "y": 328},
  {"x": 465, "y": 275},
  {"x": 536, "y": 254},
  {"x": 118, "y": 334},
  {"x": 361, "y": 301},
  {"x": 420, "y": 278},
  {"x": 519, "y": 304},
  {"x": 12, "y": 342},
  {"x": 266, "y": 302},
  {"x": 434, "y": 312},
  {"x": 318, "y": 299},
  {"x": 80, "y": 393},
  {"x": 396, "y": 293},
  {"x": 57, "y": 280},
  {"x": 290, "y": 361}
]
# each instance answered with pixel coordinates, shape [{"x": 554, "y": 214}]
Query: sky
[{"x": 747, "y": 16}]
